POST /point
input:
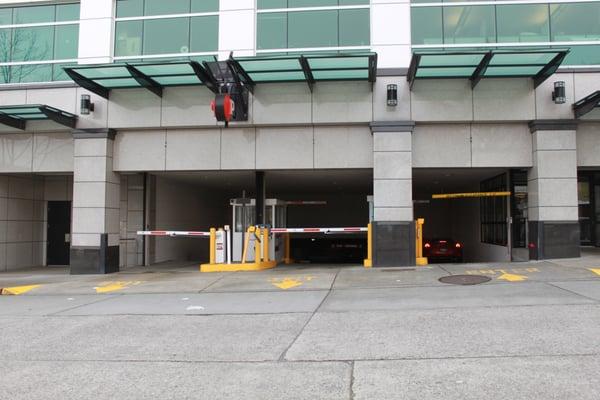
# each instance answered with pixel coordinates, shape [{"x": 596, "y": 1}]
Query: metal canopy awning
[
  {"x": 587, "y": 104},
  {"x": 538, "y": 64},
  {"x": 17, "y": 116},
  {"x": 100, "y": 79}
]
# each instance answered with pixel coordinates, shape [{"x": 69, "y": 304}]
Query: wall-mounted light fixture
[
  {"x": 558, "y": 95},
  {"x": 86, "y": 104},
  {"x": 392, "y": 95}
]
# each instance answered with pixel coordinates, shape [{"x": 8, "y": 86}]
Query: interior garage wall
[
  {"x": 183, "y": 206},
  {"x": 23, "y": 217}
]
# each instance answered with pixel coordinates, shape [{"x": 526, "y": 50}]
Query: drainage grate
[{"x": 465, "y": 280}]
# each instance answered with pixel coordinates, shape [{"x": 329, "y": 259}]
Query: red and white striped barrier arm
[
  {"x": 319, "y": 230},
  {"x": 174, "y": 233}
]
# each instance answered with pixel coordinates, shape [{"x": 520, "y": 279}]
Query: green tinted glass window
[
  {"x": 313, "y": 29},
  {"x": 583, "y": 55},
  {"x": 162, "y": 7},
  {"x": 6, "y": 16},
  {"x": 205, "y": 6},
  {"x": 311, "y": 3},
  {"x": 165, "y": 36},
  {"x": 204, "y": 34},
  {"x": 33, "y": 44},
  {"x": 471, "y": 24},
  {"x": 32, "y": 15},
  {"x": 426, "y": 25},
  {"x": 67, "y": 12},
  {"x": 66, "y": 42},
  {"x": 5, "y": 44},
  {"x": 130, "y": 8},
  {"x": 266, "y": 4},
  {"x": 128, "y": 38},
  {"x": 32, "y": 73},
  {"x": 575, "y": 21},
  {"x": 354, "y": 27},
  {"x": 272, "y": 30},
  {"x": 353, "y": 2},
  {"x": 523, "y": 23}
]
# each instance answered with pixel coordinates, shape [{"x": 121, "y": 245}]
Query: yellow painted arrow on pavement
[
  {"x": 595, "y": 270},
  {"x": 512, "y": 278},
  {"x": 114, "y": 286},
  {"x": 17, "y": 290},
  {"x": 286, "y": 283}
]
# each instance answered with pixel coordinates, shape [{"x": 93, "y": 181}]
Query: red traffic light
[{"x": 223, "y": 107}]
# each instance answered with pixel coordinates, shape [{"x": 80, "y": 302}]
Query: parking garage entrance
[
  {"x": 472, "y": 215},
  {"x": 197, "y": 201},
  {"x": 588, "y": 190}
]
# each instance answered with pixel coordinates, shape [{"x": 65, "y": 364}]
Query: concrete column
[
  {"x": 393, "y": 225},
  {"x": 96, "y": 31},
  {"x": 96, "y": 189},
  {"x": 552, "y": 182}
]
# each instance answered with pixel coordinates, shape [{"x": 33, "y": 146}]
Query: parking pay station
[{"x": 244, "y": 216}]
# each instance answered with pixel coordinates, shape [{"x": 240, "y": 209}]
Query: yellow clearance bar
[{"x": 470, "y": 195}]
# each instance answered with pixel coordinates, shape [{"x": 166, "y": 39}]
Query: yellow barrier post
[
  {"x": 419, "y": 242},
  {"x": 368, "y": 263},
  {"x": 265, "y": 244},
  {"x": 213, "y": 245},
  {"x": 247, "y": 243},
  {"x": 257, "y": 257},
  {"x": 288, "y": 251}
]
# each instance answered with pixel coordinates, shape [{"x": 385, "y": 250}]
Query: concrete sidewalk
[{"x": 305, "y": 332}]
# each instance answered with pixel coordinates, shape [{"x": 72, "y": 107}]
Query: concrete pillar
[
  {"x": 96, "y": 31},
  {"x": 393, "y": 224},
  {"x": 552, "y": 183},
  {"x": 96, "y": 189}
]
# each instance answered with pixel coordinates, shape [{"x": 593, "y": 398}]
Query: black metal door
[{"x": 59, "y": 233}]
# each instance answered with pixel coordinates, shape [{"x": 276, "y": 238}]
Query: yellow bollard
[
  {"x": 213, "y": 246},
  {"x": 368, "y": 263},
  {"x": 421, "y": 261},
  {"x": 265, "y": 244}
]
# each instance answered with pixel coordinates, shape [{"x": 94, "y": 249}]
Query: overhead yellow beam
[{"x": 470, "y": 195}]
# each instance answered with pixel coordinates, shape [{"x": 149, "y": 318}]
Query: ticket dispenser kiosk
[{"x": 243, "y": 217}]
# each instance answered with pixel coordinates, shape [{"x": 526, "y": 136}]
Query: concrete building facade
[{"x": 474, "y": 112}]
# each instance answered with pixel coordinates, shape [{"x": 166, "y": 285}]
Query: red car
[{"x": 443, "y": 250}]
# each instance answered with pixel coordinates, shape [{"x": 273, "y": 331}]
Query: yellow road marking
[
  {"x": 512, "y": 278},
  {"x": 17, "y": 290},
  {"x": 286, "y": 283},
  {"x": 595, "y": 270},
  {"x": 108, "y": 287},
  {"x": 290, "y": 282},
  {"x": 516, "y": 271}
]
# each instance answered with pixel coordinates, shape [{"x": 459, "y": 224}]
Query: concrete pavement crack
[{"x": 284, "y": 353}]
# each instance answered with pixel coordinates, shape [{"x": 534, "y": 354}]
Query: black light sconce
[
  {"x": 392, "y": 95},
  {"x": 86, "y": 104},
  {"x": 558, "y": 95}
]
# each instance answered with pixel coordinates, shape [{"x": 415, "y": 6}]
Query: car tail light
[
  {"x": 427, "y": 245},
  {"x": 458, "y": 245}
]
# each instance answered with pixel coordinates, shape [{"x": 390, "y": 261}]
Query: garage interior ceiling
[{"x": 446, "y": 180}]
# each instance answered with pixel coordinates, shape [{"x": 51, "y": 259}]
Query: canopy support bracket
[
  {"x": 60, "y": 117},
  {"x": 87, "y": 84},
  {"x": 481, "y": 68},
  {"x": 145, "y": 81},
  {"x": 12, "y": 122},
  {"x": 310, "y": 79}
]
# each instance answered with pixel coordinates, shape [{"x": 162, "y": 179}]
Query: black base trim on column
[
  {"x": 95, "y": 260},
  {"x": 550, "y": 239},
  {"x": 394, "y": 244}
]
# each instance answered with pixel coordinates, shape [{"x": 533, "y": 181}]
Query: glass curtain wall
[
  {"x": 37, "y": 41},
  {"x": 312, "y": 24},
  {"x": 573, "y": 25},
  {"x": 149, "y": 29}
]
